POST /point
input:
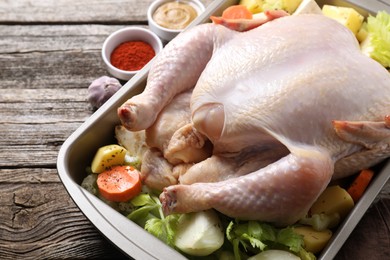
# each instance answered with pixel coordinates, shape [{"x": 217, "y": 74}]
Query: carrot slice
[
  {"x": 120, "y": 183},
  {"x": 359, "y": 185},
  {"x": 237, "y": 12}
]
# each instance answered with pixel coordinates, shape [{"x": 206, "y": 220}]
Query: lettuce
[{"x": 377, "y": 42}]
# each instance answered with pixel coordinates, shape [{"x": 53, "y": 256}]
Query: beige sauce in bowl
[{"x": 174, "y": 15}]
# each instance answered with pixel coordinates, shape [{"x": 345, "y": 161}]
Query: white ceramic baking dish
[{"x": 77, "y": 151}]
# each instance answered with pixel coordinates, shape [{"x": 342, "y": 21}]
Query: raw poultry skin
[
  {"x": 297, "y": 84},
  {"x": 173, "y": 143}
]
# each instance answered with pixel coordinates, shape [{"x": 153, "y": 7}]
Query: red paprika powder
[{"x": 132, "y": 55}]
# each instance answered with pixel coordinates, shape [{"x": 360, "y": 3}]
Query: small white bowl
[
  {"x": 132, "y": 33},
  {"x": 164, "y": 33}
]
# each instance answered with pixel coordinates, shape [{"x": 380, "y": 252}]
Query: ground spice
[{"x": 132, "y": 55}]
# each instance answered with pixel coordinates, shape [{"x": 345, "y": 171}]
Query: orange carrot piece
[
  {"x": 360, "y": 183},
  {"x": 120, "y": 183},
  {"x": 237, "y": 12}
]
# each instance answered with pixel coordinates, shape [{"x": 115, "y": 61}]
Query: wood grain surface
[{"x": 49, "y": 54}]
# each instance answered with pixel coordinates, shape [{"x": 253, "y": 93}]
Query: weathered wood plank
[
  {"x": 41, "y": 106},
  {"x": 46, "y": 57},
  {"x": 39, "y": 220},
  {"x": 69, "y": 11},
  {"x": 47, "y": 38},
  {"x": 32, "y": 145},
  {"x": 73, "y": 69},
  {"x": 73, "y": 11}
]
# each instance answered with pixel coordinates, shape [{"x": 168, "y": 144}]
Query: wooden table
[{"x": 49, "y": 54}]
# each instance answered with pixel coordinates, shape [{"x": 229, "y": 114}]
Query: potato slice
[
  {"x": 334, "y": 199},
  {"x": 288, "y": 5},
  {"x": 347, "y": 16},
  {"x": 314, "y": 240},
  {"x": 254, "y": 6},
  {"x": 108, "y": 156}
]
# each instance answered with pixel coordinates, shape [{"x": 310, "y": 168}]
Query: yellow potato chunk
[
  {"x": 362, "y": 33},
  {"x": 288, "y": 5},
  {"x": 347, "y": 16},
  {"x": 314, "y": 240},
  {"x": 108, "y": 156},
  {"x": 254, "y": 6},
  {"x": 334, "y": 199}
]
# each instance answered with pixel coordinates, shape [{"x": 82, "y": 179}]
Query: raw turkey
[{"x": 287, "y": 106}]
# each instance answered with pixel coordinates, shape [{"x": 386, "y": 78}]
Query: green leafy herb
[
  {"x": 164, "y": 229},
  {"x": 254, "y": 237},
  {"x": 148, "y": 214},
  {"x": 290, "y": 239}
]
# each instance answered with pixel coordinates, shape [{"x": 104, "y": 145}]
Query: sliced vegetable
[
  {"x": 199, "y": 233},
  {"x": 120, "y": 183},
  {"x": 287, "y": 5},
  {"x": 377, "y": 42},
  {"x": 347, "y": 16},
  {"x": 274, "y": 255},
  {"x": 333, "y": 199},
  {"x": 254, "y": 6},
  {"x": 237, "y": 12},
  {"x": 362, "y": 33},
  {"x": 314, "y": 241},
  {"x": 108, "y": 156},
  {"x": 359, "y": 185}
]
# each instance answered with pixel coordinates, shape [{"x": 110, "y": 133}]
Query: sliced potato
[
  {"x": 334, "y": 199},
  {"x": 288, "y": 5},
  {"x": 362, "y": 33},
  {"x": 314, "y": 240},
  {"x": 108, "y": 156},
  {"x": 347, "y": 16},
  {"x": 255, "y": 6}
]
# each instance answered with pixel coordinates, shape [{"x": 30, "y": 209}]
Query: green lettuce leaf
[{"x": 377, "y": 42}]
